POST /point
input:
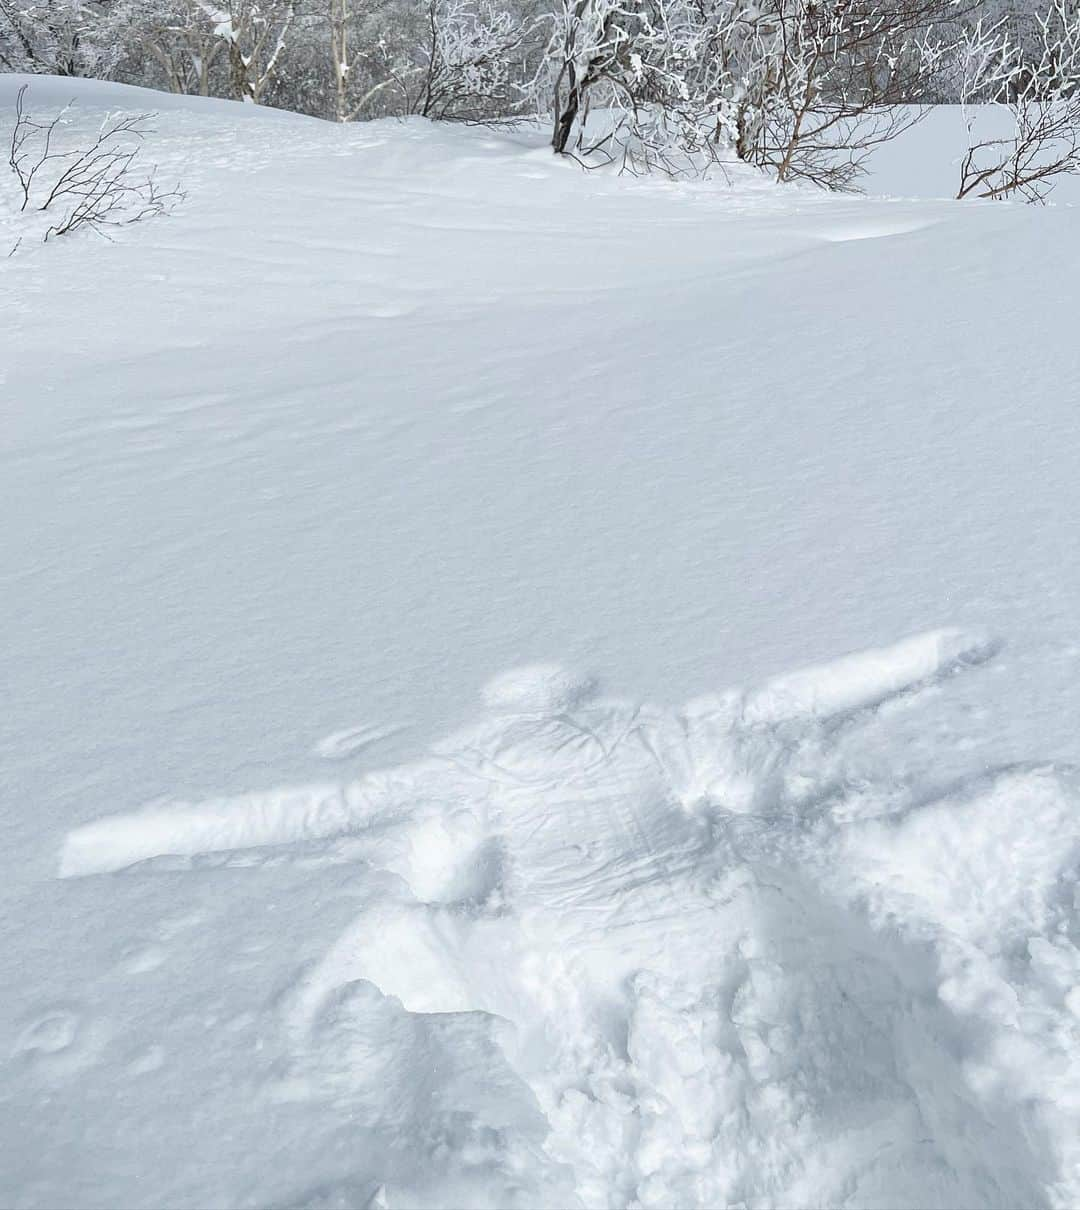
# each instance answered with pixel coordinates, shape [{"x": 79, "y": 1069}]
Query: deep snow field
[{"x": 435, "y": 772}]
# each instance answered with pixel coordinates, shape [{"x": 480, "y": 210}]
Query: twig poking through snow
[{"x": 93, "y": 187}]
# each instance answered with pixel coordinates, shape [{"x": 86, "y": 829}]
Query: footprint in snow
[
  {"x": 60, "y": 1041},
  {"x": 49, "y": 1034}
]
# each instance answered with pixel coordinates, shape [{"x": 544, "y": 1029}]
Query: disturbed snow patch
[{"x": 622, "y": 954}]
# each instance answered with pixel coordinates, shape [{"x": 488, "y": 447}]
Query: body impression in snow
[{"x": 619, "y": 954}]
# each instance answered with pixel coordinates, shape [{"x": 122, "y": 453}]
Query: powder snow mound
[{"x": 631, "y": 955}]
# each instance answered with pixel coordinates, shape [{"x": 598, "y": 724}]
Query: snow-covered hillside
[{"x": 435, "y": 772}]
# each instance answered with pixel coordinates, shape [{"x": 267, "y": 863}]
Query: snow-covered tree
[
  {"x": 658, "y": 71},
  {"x": 803, "y": 87},
  {"x": 367, "y": 60},
  {"x": 183, "y": 46},
  {"x": 64, "y": 37},
  {"x": 459, "y": 60},
  {"x": 340, "y": 56},
  {"x": 254, "y": 35}
]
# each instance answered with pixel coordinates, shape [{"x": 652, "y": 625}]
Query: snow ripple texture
[{"x": 624, "y": 955}]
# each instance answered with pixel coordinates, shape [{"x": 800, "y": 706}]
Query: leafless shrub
[
  {"x": 838, "y": 79},
  {"x": 1036, "y": 87},
  {"x": 95, "y": 186}
]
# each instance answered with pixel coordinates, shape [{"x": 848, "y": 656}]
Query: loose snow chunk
[
  {"x": 991, "y": 861},
  {"x": 536, "y": 689},
  {"x": 865, "y": 678}
]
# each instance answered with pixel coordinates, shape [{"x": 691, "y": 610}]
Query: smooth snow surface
[{"x": 534, "y": 689}]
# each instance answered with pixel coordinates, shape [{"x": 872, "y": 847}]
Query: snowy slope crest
[{"x": 618, "y": 954}]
